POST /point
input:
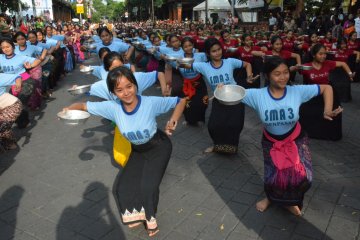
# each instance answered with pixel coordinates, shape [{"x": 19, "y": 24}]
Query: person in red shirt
[
  {"x": 288, "y": 41},
  {"x": 328, "y": 41},
  {"x": 277, "y": 50},
  {"x": 217, "y": 32},
  {"x": 192, "y": 32},
  {"x": 23, "y": 28},
  {"x": 343, "y": 54},
  {"x": 227, "y": 44},
  {"x": 199, "y": 39},
  {"x": 245, "y": 54},
  {"x": 319, "y": 74}
]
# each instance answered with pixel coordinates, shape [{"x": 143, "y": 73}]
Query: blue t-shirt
[
  {"x": 186, "y": 72},
  {"x": 96, "y": 38},
  {"x": 113, "y": 46},
  {"x": 138, "y": 126},
  {"x": 60, "y": 38},
  {"x": 216, "y": 75},
  {"x": 30, "y": 50},
  {"x": 7, "y": 80},
  {"x": 14, "y": 65},
  {"x": 280, "y": 115},
  {"x": 48, "y": 44},
  {"x": 170, "y": 51},
  {"x": 101, "y": 73},
  {"x": 143, "y": 79}
]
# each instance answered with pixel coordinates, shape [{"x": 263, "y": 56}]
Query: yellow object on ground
[{"x": 121, "y": 149}]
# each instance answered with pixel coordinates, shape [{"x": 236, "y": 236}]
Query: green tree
[{"x": 12, "y": 6}]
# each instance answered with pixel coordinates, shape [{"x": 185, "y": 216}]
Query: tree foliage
[
  {"x": 12, "y": 5},
  {"x": 108, "y": 9}
]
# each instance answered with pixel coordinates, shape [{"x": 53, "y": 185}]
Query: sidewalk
[{"x": 59, "y": 185}]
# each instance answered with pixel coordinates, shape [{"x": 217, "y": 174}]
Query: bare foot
[
  {"x": 294, "y": 210},
  {"x": 262, "y": 205},
  {"x": 12, "y": 146},
  {"x": 133, "y": 225},
  {"x": 209, "y": 150},
  {"x": 153, "y": 232}
]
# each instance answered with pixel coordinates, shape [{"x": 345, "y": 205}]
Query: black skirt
[
  {"x": 177, "y": 84},
  {"x": 341, "y": 84},
  {"x": 313, "y": 122},
  {"x": 136, "y": 188},
  {"x": 225, "y": 125}
]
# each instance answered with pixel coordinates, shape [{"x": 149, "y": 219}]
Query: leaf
[
  {"x": 198, "y": 214},
  {"x": 222, "y": 227}
]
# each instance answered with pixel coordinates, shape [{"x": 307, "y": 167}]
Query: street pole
[
  {"x": 206, "y": 11},
  {"x": 232, "y": 8}
]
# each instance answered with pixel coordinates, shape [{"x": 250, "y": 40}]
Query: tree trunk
[{"x": 299, "y": 7}]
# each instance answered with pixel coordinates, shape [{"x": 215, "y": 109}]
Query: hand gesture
[
  {"x": 220, "y": 85},
  {"x": 27, "y": 65},
  {"x": 170, "y": 127},
  {"x": 330, "y": 114},
  {"x": 251, "y": 79},
  {"x": 167, "y": 91}
]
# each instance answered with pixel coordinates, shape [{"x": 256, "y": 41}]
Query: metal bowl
[
  {"x": 268, "y": 57},
  {"x": 73, "y": 117},
  {"x": 230, "y": 94},
  {"x": 331, "y": 52},
  {"x": 91, "y": 47},
  {"x": 90, "y": 40},
  {"x": 304, "y": 67},
  {"x": 79, "y": 89},
  {"x": 232, "y": 49},
  {"x": 237, "y": 35},
  {"x": 86, "y": 69},
  {"x": 151, "y": 50},
  {"x": 170, "y": 58},
  {"x": 185, "y": 60}
]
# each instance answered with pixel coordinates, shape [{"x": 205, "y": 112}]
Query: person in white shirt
[
  {"x": 357, "y": 23},
  {"x": 272, "y": 21}
]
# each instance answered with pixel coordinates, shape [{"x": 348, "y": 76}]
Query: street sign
[{"x": 79, "y": 8}]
